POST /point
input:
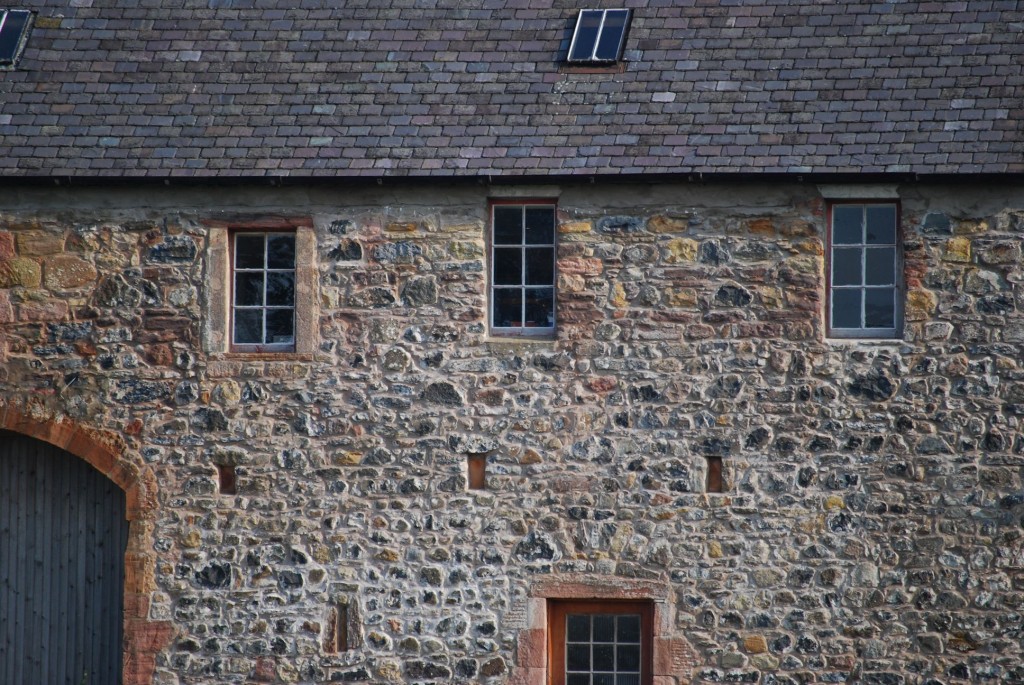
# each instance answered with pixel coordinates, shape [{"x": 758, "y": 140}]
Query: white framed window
[
  {"x": 522, "y": 271},
  {"x": 263, "y": 291},
  {"x": 864, "y": 270},
  {"x": 599, "y": 36}
]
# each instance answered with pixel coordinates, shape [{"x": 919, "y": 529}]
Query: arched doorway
[{"x": 63, "y": 538}]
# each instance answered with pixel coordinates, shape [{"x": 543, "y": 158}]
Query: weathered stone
[
  {"x": 920, "y": 305},
  {"x": 755, "y": 644},
  {"x": 570, "y": 227},
  {"x": 957, "y": 250},
  {"x": 420, "y": 291},
  {"x": 681, "y": 250},
  {"x": 20, "y": 272},
  {"x": 874, "y": 385},
  {"x": 346, "y": 251},
  {"x": 373, "y": 298},
  {"x": 936, "y": 223},
  {"x": 404, "y": 252},
  {"x": 620, "y": 224},
  {"x": 67, "y": 271},
  {"x": 733, "y": 296},
  {"x": 659, "y": 223},
  {"x": 1002, "y": 252},
  {"x": 442, "y": 393},
  {"x": 214, "y": 575},
  {"x": 173, "y": 248},
  {"x": 6, "y": 245},
  {"x": 39, "y": 243}
]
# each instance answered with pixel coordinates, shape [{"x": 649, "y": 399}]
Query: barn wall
[{"x": 871, "y": 527}]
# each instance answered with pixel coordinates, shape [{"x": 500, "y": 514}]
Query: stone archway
[{"x": 108, "y": 453}]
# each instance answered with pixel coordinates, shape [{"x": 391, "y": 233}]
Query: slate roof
[{"x": 317, "y": 88}]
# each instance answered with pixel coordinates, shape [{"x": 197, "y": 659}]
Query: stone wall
[{"x": 871, "y": 528}]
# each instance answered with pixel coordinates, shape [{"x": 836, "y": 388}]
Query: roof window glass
[
  {"x": 13, "y": 29},
  {"x": 599, "y": 36}
]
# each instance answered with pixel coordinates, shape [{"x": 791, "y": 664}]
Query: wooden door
[{"x": 63, "y": 536}]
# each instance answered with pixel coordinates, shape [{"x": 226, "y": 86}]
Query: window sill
[
  {"x": 875, "y": 342},
  {"x": 277, "y": 356}
]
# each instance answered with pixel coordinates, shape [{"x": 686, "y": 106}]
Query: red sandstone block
[
  {"x": 43, "y": 311},
  {"x": 6, "y": 310},
  {"x": 532, "y": 649},
  {"x": 6, "y": 245}
]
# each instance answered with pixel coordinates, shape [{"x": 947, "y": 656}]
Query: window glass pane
[
  {"x": 281, "y": 252},
  {"x": 577, "y": 657},
  {"x": 629, "y": 629},
  {"x": 611, "y": 34},
  {"x": 577, "y": 628},
  {"x": 540, "y": 266},
  {"x": 604, "y": 657},
  {"x": 540, "y": 312},
  {"x": 846, "y": 266},
  {"x": 604, "y": 679},
  {"x": 586, "y": 34},
  {"x": 540, "y": 226},
  {"x": 628, "y": 657},
  {"x": 846, "y": 308},
  {"x": 248, "y": 289},
  {"x": 880, "y": 266},
  {"x": 627, "y": 679},
  {"x": 577, "y": 679},
  {"x": 249, "y": 252},
  {"x": 280, "y": 289},
  {"x": 508, "y": 266},
  {"x": 879, "y": 308},
  {"x": 248, "y": 326},
  {"x": 846, "y": 225},
  {"x": 507, "y": 308},
  {"x": 280, "y": 325},
  {"x": 881, "y": 225},
  {"x": 604, "y": 628},
  {"x": 508, "y": 225}
]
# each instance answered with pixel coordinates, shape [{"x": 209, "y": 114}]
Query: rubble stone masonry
[{"x": 872, "y": 524}]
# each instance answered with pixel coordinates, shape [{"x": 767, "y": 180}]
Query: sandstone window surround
[
  {"x": 864, "y": 269},
  {"x": 522, "y": 268},
  {"x": 244, "y": 256},
  {"x": 666, "y": 656}
]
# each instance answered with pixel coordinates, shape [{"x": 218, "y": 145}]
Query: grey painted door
[{"x": 63, "y": 535}]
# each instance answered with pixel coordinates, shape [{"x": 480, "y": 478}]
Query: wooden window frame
[
  {"x": 894, "y": 333},
  {"x": 545, "y": 332},
  {"x": 559, "y": 609}
]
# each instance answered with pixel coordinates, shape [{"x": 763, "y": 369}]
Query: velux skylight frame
[
  {"x": 15, "y": 26},
  {"x": 588, "y": 47}
]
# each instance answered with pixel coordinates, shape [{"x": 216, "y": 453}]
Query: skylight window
[
  {"x": 599, "y": 36},
  {"x": 13, "y": 29}
]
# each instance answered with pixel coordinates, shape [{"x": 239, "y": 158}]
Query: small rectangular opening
[
  {"x": 226, "y": 479},
  {"x": 337, "y": 630},
  {"x": 477, "y": 471},
  {"x": 715, "y": 482}
]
